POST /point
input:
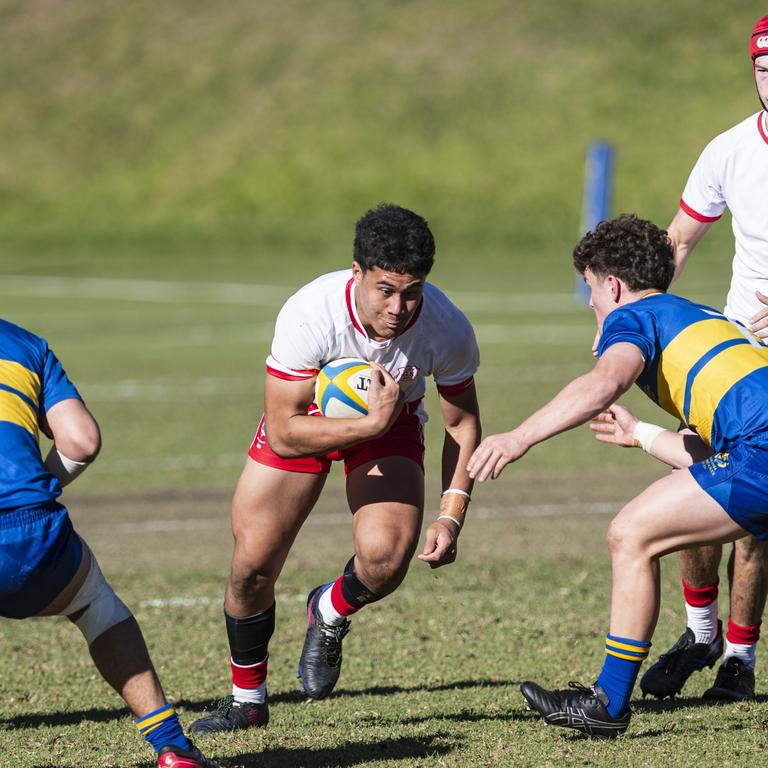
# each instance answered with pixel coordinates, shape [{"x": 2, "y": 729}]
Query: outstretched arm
[{"x": 575, "y": 404}]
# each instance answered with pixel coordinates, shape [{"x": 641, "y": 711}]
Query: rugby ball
[{"x": 341, "y": 388}]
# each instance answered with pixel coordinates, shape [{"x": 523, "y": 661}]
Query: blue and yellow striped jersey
[
  {"x": 706, "y": 370},
  {"x": 32, "y": 380}
]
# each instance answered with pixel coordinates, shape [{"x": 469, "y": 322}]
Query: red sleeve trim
[
  {"x": 293, "y": 376},
  {"x": 696, "y": 215},
  {"x": 455, "y": 389}
]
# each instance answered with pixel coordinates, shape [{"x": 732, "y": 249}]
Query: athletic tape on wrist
[
  {"x": 646, "y": 433},
  {"x": 452, "y": 519}
]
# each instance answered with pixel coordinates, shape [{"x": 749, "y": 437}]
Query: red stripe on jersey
[
  {"x": 455, "y": 389},
  {"x": 293, "y": 376},
  {"x": 350, "y": 308},
  {"x": 415, "y": 317},
  {"x": 761, "y": 127},
  {"x": 695, "y": 214}
]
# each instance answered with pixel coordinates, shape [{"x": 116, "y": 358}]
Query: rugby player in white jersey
[
  {"x": 384, "y": 311},
  {"x": 731, "y": 172}
]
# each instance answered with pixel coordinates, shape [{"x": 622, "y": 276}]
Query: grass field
[{"x": 172, "y": 172}]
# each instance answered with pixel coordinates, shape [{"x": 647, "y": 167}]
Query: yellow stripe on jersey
[
  {"x": 23, "y": 380},
  {"x": 716, "y": 378},
  {"x": 682, "y": 353},
  {"x": 17, "y": 411}
]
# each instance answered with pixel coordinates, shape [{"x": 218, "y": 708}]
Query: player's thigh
[
  {"x": 67, "y": 594},
  {"x": 671, "y": 514},
  {"x": 269, "y": 507},
  {"x": 386, "y": 497}
]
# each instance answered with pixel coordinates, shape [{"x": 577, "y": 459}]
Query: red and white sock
[
  {"x": 249, "y": 683},
  {"x": 333, "y": 606},
  {"x": 741, "y": 642},
  {"x": 701, "y": 609}
]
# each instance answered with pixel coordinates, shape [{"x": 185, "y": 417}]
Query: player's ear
[
  {"x": 616, "y": 287},
  {"x": 357, "y": 272}
]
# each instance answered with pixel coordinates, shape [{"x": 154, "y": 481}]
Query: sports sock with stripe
[
  {"x": 161, "y": 728},
  {"x": 623, "y": 658},
  {"x": 701, "y": 611},
  {"x": 741, "y": 642}
]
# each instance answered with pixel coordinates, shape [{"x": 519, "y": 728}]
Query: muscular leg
[
  {"x": 269, "y": 507},
  {"x": 672, "y": 514},
  {"x": 748, "y": 573},
  {"x": 386, "y": 497},
  {"x": 699, "y": 566}
]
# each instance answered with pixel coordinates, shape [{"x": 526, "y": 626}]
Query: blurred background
[{"x": 170, "y": 172}]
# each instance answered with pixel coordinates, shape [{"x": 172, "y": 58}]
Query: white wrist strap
[
  {"x": 457, "y": 491},
  {"x": 646, "y": 433},
  {"x": 448, "y": 517}
]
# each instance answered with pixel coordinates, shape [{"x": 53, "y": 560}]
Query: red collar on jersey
[
  {"x": 761, "y": 125},
  {"x": 353, "y": 314}
]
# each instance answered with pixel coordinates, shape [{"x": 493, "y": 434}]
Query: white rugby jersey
[
  {"x": 732, "y": 171},
  {"x": 320, "y": 323}
]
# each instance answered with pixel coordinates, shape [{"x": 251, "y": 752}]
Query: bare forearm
[
  {"x": 458, "y": 446},
  {"x": 679, "y": 450},
  {"x": 315, "y": 435},
  {"x": 575, "y": 404}
]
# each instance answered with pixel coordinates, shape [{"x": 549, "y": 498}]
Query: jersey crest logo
[{"x": 406, "y": 373}]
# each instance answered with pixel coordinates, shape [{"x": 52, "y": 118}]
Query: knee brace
[{"x": 101, "y": 607}]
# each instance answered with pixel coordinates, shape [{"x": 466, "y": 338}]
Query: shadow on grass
[
  {"x": 298, "y": 696},
  {"x": 104, "y": 715},
  {"x": 405, "y": 748},
  {"x": 670, "y": 705},
  {"x": 351, "y": 754}
]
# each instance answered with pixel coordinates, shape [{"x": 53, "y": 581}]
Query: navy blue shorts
[
  {"x": 39, "y": 555},
  {"x": 738, "y": 482}
]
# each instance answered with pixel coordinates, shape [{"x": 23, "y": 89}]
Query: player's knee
[
  {"x": 382, "y": 568},
  {"x": 247, "y": 581},
  {"x": 95, "y": 608},
  {"x": 623, "y": 539}
]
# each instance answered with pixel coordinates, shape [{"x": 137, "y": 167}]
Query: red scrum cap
[{"x": 758, "y": 43}]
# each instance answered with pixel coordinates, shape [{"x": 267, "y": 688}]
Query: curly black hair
[
  {"x": 394, "y": 239},
  {"x": 634, "y": 250}
]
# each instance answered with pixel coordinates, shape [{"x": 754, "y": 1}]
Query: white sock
[
  {"x": 328, "y": 613},
  {"x": 743, "y": 651},
  {"x": 256, "y": 695},
  {"x": 703, "y": 621}
]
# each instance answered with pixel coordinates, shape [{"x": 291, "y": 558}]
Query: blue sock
[
  {"x": 623, "y": 658},
  {"x": 161, "y": 728}
]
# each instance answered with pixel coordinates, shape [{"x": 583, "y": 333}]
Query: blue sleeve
[
  {"x": 55, "y": 385},
  {"x": 626, "y": 325}
]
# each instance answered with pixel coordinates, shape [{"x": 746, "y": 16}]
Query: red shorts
[{"x": 404, "y": 438}]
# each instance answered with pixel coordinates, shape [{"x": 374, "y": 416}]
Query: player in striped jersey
[
  {"x": 46, "y": 569},
  {"x": 732, "y": 171},
  {"x": 710, "y": 373}
]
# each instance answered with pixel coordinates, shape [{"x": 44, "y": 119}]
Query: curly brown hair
[{"x": 634, "y": 250}]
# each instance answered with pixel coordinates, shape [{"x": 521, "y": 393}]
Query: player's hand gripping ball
[{"x": 341, "y": 388}]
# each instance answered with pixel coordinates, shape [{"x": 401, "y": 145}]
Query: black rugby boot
[
  {"x": 320, "y": 662},
  {"x": 583, "y": 708},
  {"x": 231, "y": 715},
  {"x": 667, "y": 676}
]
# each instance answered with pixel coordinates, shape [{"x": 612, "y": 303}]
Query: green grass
[{"x": 222, "y": 153}]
